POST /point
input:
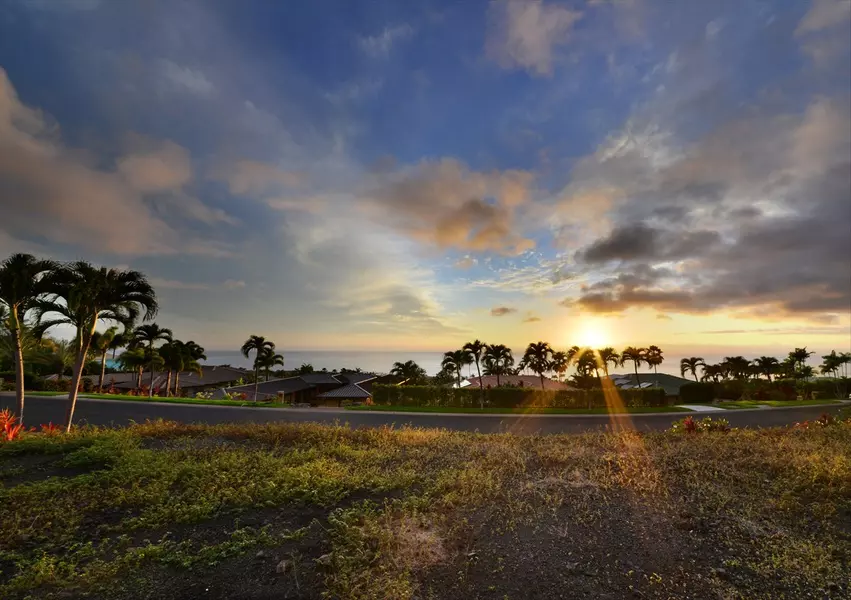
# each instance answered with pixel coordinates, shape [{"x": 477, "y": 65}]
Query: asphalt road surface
[{"x": 122, "y": 412}]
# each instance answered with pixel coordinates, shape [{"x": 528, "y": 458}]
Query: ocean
[{"x": 369, "y": 361}]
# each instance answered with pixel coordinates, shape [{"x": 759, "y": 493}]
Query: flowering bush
[
  {"x": 204, "y": 395},
  {"x": 8, "y": 430},
  {"x": 825, "y": 420},
  {"x": 692, "y": 425}
]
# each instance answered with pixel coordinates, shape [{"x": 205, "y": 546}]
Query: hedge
[
  {"x": 697, "y": 393},
  {"x": 421, "y": 395},
  {"x": 784, "y": 389}
]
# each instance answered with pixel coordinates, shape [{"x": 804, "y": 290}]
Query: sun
[{"x": 592, "y": 335}]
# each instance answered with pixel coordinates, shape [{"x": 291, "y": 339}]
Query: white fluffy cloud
[{"x": 525, "y": 33}]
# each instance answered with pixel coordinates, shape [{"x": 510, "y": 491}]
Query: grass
[
  {"x": 163, "y": 399},
  {"x": 167, "y": 510},
  {"x": 516, "y": 411},
  {"x": 740, "y": 404}
]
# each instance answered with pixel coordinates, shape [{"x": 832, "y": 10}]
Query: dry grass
[{"x": 382, "y": 513}]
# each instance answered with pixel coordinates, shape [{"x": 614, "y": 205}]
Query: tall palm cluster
[
  {"x": 264, "y": 357},
  {"x": 794, "y": 366},
  {"x": 540, "y": 358},
  {"x": 39, "y": 295}
]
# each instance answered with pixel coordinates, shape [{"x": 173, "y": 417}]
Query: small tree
[{"x": 257, "y": 344}]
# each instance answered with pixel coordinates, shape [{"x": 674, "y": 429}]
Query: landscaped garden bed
[{"x": 165, "y": 510}]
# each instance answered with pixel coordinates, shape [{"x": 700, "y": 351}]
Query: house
[
  {"x": 212, "y": 376},
  {"x": 530, "y": 381},
  {"x": 316, "y": 389},
  {"x": 670, "y": 383}
]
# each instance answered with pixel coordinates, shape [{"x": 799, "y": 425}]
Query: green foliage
[
  {"x": 697, "y": 393},
  {"x": 705, "y": 425},
  {"x": 510, "y": 397}
]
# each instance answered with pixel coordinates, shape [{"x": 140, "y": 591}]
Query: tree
[
  {"x": 258, "y": 344},
  {"x": 57, "y": 356},
  {"x": 737, "y": 367},
  {"x": 799, "y": 357},
  {"x": 559, "y": 363},
  {"x": 305, "y": 369},
  {"x": 455, "y": 360},
  {"x": 476, "y": 348},
  {"x": 713, "y": 372},
  {"x": 193, "y": 354},
  {"x": 537, "y": 357},
  {"x": 120, "y": 340},
  {"x": 22, "y": 282},
  {"x": 690, "y": 365},
  {"x": 148, "y": 335},
  {"x": 767, "y": 365},
  {"x": 654, "y": 357},
  {"x": 409, "y": 372},
  {"x": 609, "y": 355},
  {"x": 173, "y": 354},
  {"x": 637, "y": 356},
  {"x": 81, "y": 295},
  {"x": 134, "y": 360},
  {"x": 499, "y": 360},
  {"x": 845, "y": 358},
  {"x": 101, "y": 343},
  {"x": 806, "y": 372},
  {"x": 268, "y": 359}
]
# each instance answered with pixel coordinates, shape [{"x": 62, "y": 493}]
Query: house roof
[
  {"x": 532, "y": 381},
  {"x": 287, "y": 385},
  {"x": 670, "y": 383},
  {"x": 351, "y": 390},
  {"x": 321, "y": 378},
  {"x": 355, "y": 377}
]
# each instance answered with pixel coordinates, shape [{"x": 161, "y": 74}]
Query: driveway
[{"x": 122, "y": 412}]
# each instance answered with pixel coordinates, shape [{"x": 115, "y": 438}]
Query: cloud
[
  {"x": 63, "y": 5},
  {"x": 524, "y": 33},
  {"x": 465, "y": 262},
  {"x": 501, "y": 311},
  {"x": 167, "y": 167},
  {"x": 173, "y": 284},
  {"x": 248, "y": 177},
  {"x": 531, "y": 318},
  {"x": 824, "y": 32},
  {"x": 233, "y": 284},
  {"x": 445, "y": 204},
  {"x": 49, "y": 191},
  {"x": 663, "y": 317},
  {"x": 379, "y": 46},
  {"x": 824, "y": 14},
  {"x": 640, "y": 242},
  {"x": 186, "y": 79}
]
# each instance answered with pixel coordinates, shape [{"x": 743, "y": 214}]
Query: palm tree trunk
[
  {"x": 177, "y": 383},
  {"x": 168, "y": 384},
  {"x": 256, "y": 378},
  {"x": 139, "y": 378},
  {"x": 481, "y": 385},
  {"x": 102, "y": 371},
  {"x": 497, "y": 375},
  {"x": 19, "y": 364},
  {"x": 637, "y": 379},
  {"x": 694, "y": 372},
  {"x": 541, "y": 375},
  {"x": 82, "y": 351},
  {"x": 151, "y": 387}
]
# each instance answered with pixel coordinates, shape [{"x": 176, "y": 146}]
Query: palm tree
[
  {"x": 57, "y": 356},
  {"x": 192, "y": 354},
  {"x": 173, "y": 355},
  {"x": 269, "y": 359},
  {"x": 101, "y": 343},
  {"x": 767, "y": 365},
  {"x": 408, "y": 371},
  {"x": 148, "y": 335},
  {"x": 21, "y": 284},
  {"x": 500, "y": 360},
  {"x": 88, "y": 295},
  {"x": 637, "y": 356},
  {"x": 119, "y": 340},
  {"x": 737, "y": 366},
  {"x": 713, "y": 372},
  {"x": 134, "y": 360},
  {"x": 476, "y": 348},
  {"x": 845, "y": 358},
  {"x": 537, "y": 357},
  {"x": 690, "y": 365},
  {"x": 259, "y": 345},
  {"x": 609, "y": 355},
  {"x": 654, "y": 357},
  {"x": 799, "y": 357},
  {"x": 559, "y": 363},
  {"x": 455, "y": 360}
]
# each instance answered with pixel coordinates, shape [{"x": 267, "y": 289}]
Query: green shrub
[
  {"x": 697, "y": 393},
  {"x": 416, "y": 395},
  {"x": 31, "y": 382}
]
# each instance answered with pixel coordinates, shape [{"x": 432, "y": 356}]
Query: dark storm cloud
[{"x": 641, "y": 242}]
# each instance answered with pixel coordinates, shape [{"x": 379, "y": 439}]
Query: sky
[{"x": 410, "y": 176}]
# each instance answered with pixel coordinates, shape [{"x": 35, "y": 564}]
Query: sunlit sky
[{"x": 400, "y": 175}]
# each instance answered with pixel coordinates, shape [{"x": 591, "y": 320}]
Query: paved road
[{"x": 120, "y": 412}]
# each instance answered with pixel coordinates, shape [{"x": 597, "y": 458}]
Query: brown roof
[{"x": 532, "y": 381}]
